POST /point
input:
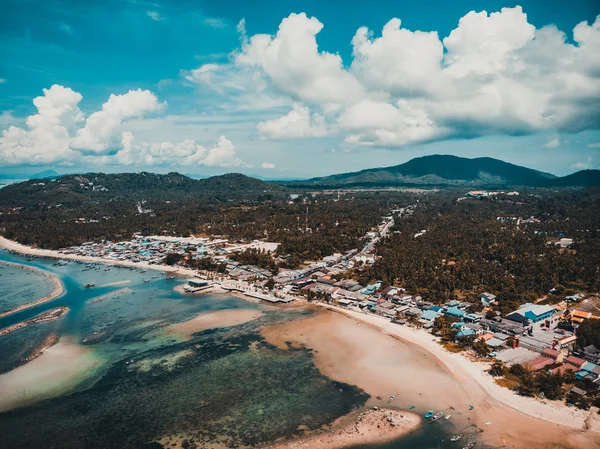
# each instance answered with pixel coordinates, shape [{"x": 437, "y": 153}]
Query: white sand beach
[{"x": 59, "y": 370}]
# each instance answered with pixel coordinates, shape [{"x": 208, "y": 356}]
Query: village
[{"x": 535, "y": 336}]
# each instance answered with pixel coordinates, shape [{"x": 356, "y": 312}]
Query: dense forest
[
  {"x": 477, "y": 245},
  {"x": 470, "y": 245}
]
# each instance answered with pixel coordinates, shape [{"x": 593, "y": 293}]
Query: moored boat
[
  {"x": 429, "y": 414},
  {"x": 471, "y": 445},
  {"x": 435, "y": 417},
  {"x": 455, "y": 438},
  {"x": 89, "y": 285}
]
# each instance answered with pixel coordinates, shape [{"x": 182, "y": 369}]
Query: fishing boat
[
  {"x": 471, "y": 445},
  {"x": 147, "y": 280},
  {"x": 429, "y": 414},
  {"x": 437, "y": 416},
  {"x": 448, "y": 416},
  {"x": 455, "y": 438},
  {"x": 89, "y": 285}
]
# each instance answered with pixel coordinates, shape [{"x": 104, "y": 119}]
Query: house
[
  {"x": 577, "y": 391},
  {"x": 562, "y": 369},
  {"x": 553, "y": 354},
  {"x": 472, "y": 318},
  {"x": 488, "y": 299},
  {"x": 453, "y": 303},
  {"x": 574, "y": 298},
  {"x": 577, "y": 316},
  {"x": 455, "y": 312},
  {"x": 532, "y": 312},
  {"x": 539, "y": 363},
  {"x": 458, "y": 325},
  {"x": 429, "y": 315},
  {"x": 465, "y": 332},
  {"x": 591, "y": 353},
  {"x": 568, "y": 341},
  {"x": 575, "y": 361}
]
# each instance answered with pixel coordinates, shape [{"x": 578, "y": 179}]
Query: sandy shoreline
[
  {"x": 58, "y": 288},
  {"x": 11, "y": 245},
  {"x": 356, "y": 428},
  {"x": 351, "y": 347}
]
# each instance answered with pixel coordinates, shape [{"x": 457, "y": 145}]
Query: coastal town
[{"x": 539, "y": 337}]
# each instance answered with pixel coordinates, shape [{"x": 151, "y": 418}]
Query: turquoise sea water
[{"x": 223, "y": 383}]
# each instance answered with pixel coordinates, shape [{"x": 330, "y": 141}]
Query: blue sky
[{"x": 211, "y": 86}]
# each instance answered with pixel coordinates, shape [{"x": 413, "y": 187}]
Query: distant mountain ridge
[
  {"x": 82, "y": 188},
  {"x": 447, "y": 170}
]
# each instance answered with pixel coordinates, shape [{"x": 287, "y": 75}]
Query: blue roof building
[
  {"x": 532, "y": 312},
  {"x": 453, "y": 311},
  {"x": 438, "y": 308},
  {"x": 429, "y": 315},
  {"x": 465, "y": 333},
  {"x": 458, "y": 325}
]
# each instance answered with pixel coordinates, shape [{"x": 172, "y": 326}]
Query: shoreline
[
  {"x": 359, "y": 427},
  {"x": 11, "y": 245},
  {"x": 549, "y": 411},
  {"x": 58, "y": 291}
]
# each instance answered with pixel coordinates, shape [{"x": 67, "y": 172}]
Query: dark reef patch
[{"x": 220, "y": 384}]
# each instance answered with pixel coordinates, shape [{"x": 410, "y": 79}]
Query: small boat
[
  {"x": 471, "y": 407},
  {"x": 448, "y": 416},
  {"x": 471, "y": 445},
  {"x": 147, "y": 280},
  {"x": 89, "y": 285},
  {"x": 411, "y": 407},
  {"x": 437, "y": 416},
  {"x": 455, "y": 438},
  {"x": 429, "y": 414}
]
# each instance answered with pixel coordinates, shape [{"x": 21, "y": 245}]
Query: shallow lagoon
[
  {"x": 222, "y": 383},
  {"x": 149, "y": 386}
]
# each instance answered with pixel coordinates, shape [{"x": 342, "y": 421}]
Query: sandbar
[
  {"x": 356, "y": 428},
  {"x": 59, "y": 370},
  {"x": 212, "y": 320},
  {"x": 58, "y": 288}
]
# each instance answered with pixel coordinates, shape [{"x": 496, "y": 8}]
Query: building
[
  {"x": 531, "y": 312},
  {"x": 566, "y": 342},
  {"x": 455, "y": 312},
  {"x": 577, "y": 316},
  {"x": 539, "y": 363},
  {"x": 553, "y": 354},
  {"x": 429, "y": 315},
  {"x": 465, "y": 332},
  {"x": 575, "y": 362},
  {"x": 487, "y": 299}
]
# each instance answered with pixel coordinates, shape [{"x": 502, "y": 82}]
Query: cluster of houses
[
  {"x": 153, "y": 249},
  {"x": 548, "y": 347}
]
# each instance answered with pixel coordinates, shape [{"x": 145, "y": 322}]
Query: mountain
[
  {"x": 45, "y": 174},
  {"x": 583, "y": 178},
  {"x": 89, "y": 187},
  {"x": 446, "y": 170}
]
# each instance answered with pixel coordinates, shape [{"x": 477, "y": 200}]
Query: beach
[
  {"x": 409, "y": 364},
  {"x": 57, "y": 371},
  {"x": 359, "y": 427},
  {"x": 55, "y": 293}
]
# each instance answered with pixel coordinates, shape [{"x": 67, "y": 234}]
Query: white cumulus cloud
[
  {"x": 296, "y": 124},
  {"x": 267, "y": 165},
  {"x": 102, "y": 131},
  {"x": 59, "y": 133}
]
